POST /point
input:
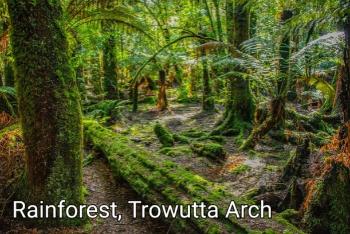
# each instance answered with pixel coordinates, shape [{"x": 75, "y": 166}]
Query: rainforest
[{"x": 178, "y": 103}]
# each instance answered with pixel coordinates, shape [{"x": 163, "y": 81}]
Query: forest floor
[{"x": 241, "y": 172}]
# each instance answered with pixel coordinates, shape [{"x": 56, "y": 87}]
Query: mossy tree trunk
[
  {"x": 207, "y": 97},
  {"x": 162, "y": 101},
  {"x": 276, "y": 114},
  {"x": 239, "y": 105},
  {"x": 48, "y": 101},
  {"x": 110, "y": 81}
]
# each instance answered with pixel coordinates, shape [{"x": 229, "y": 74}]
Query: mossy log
[
  {"x": 160, "y": 181},
  {"x": 164, "y": 135},
  {"x": 211, "y": 150}
]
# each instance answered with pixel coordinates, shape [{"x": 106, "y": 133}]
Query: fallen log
[{"x": 160, "y": 181}]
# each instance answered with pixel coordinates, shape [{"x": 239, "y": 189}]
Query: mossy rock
[
  {"x": 209, "y": 149},
  {"x": 164, "y": 135}
]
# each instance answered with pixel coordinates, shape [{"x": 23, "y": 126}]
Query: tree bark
[
  {"x": 162, "y": 103},
  {"x": 110, "y": 81},
  {"x": 49, "y": 102}
]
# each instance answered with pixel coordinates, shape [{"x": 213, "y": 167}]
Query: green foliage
[
  {"x": 184, "y": 97},
  {"x": 105, "y": 109},
  {"x": 8, "y": 99}
]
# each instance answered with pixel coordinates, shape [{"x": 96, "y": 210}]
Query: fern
[{"x": 7, "y": 94}]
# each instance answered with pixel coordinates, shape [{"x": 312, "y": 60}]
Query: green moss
[
  {"x": 181, "y": 139},
  {"x": 290, "y": 228},
  {"x": 176, "y": 151},
  {"x": 211, "y": 150},
  {"x": 289, "y": 214},
  {"x": 194, "y": 133},
  {"x": 331, "y": 196},
  {"x": 271, "y": 168},
  {"x": 240, "y": 169},
  {"x": 164, "y": 135}
]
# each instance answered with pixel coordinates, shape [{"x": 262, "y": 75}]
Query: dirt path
[{"x": 104, "y": 189}]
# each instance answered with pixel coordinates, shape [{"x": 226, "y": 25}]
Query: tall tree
[
  {"x": 207, "y": 97},
  {"x": 49, "y": 102},
  {"x": 110, "y": 81},
  {"x": 239, "y": 105}
]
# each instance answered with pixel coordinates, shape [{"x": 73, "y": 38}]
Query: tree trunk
[
  {"x": 110, "y": 81},
  {"x": 239, "y": 104},
  {"x": 109, "y": 61},
  {"x": 207, "y": 99},
  {"x": 162, "y": 103},
  {"x": 48, "y": 102},
  {"x": 135, "y": 96}
]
